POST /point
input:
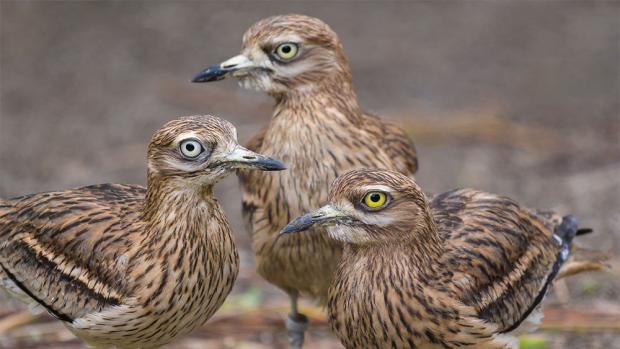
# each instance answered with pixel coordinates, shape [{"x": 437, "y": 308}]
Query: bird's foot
[{"x": 296, "y": 324}]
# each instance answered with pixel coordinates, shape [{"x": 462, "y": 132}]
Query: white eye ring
[{"x": 191, "y": 148}]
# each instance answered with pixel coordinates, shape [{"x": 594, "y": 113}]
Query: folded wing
[
  {"x": 65, "y": 250},
  {"x": 502, "y": 257}
]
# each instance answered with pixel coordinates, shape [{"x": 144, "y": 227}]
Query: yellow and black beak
[
  {"x": 326, "y": 215},
  {"x": 237, "y": 66},
  {"x": 241, "y": 157}
]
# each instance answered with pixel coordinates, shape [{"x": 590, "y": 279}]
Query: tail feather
[
  {"x": 579, "y": 259},
  {"x": 584, "y": 231}
]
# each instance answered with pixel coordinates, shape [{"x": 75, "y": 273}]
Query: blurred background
[{"x": 520, "y": 98}]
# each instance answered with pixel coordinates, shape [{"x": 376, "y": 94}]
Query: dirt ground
[{"x": 520, "y": 98}]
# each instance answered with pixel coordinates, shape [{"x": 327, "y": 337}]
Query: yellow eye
[
  {"x": 375, "y": 199},
  {"x": 287, "y": 50}
]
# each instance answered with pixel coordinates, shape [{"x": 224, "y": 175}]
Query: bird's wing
[
  {"x": 65, "y": 250},
  {"x": 395, "y": 142},
  {"x": 500, "y": 257},
  {"x": 252, "y": 201}
]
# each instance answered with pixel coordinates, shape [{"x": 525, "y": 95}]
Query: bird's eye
[
  {"x": 191, "y": 148},
  {"x": 287, "y": 50},
  {"x": 375, "y": 199}
]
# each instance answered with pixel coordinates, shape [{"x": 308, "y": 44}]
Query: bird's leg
[{"x": 296, "y": 323}]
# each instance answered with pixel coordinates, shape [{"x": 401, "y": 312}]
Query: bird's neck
[
  {"x": 315, "y": 101},
  {"x": 419, "y": 254},
  {"x": 424, "y": 240},
  {"x": 173, "y": 210},
  {"x": 187, "y": 245},
  {"x": 427, "y": 249}
]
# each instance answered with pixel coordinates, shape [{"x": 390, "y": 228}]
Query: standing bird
[
  {"x": 125, "y": 266},
  {"x": 319, "y": 130},
  {"x": 467, "y": 270}
]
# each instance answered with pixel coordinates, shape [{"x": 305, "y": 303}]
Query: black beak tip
[
  {"x": 274, "y": 165},
  {"x": 198, "y": 78},
  {"x": 212, "y": 73},
  {"x": 297, "y": 225}
]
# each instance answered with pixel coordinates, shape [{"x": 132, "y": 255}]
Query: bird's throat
[{"x": 316, "y": 102}]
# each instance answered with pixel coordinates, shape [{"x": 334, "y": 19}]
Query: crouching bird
[
  {"x": 319, "y": 130},
  {"x": 127, "y": 266},
  {"x": 467, "y": 270}
]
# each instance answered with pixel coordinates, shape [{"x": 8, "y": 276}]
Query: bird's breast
[{"x": 180, "y": 291}]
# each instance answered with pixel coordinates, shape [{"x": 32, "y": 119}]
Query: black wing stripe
[
  {"x": 52, "y": 311},
  {"x": 541, "y": 294}
]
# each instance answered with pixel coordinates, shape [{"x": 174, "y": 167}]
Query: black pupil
[
  {"x": 190, "y": 147},
  {"x": 286, "y": 49},
  {"x": 375, "y": 197}
]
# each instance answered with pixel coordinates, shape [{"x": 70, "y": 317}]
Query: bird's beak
[
  {"x": 237, "y": 66},
  {"x": 325, "y": 215},
  {"x": 241, "y": 157}
]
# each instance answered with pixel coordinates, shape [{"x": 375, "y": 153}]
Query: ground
[{"x": 518, "y": 98}]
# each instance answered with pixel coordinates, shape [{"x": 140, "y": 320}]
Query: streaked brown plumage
[
  {"x": 126, "y": 266},
  {"x": 465, "y": 270},
  {"x": 319, "y": 130}
]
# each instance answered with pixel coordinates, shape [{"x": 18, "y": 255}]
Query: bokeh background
[{"x": 520, "y": 98}]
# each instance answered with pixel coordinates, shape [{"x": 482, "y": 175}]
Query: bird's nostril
[
  {"x": 228, "y": 66},
  {"x": 317, "y": 215},
  {"x": 249, "y": 157}
]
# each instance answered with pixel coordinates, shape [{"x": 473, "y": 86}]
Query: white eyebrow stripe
[
  {"x": 383, "y": 188},
  {"x": 287, "y": 38},
  {"x": 182, "y": 136}
]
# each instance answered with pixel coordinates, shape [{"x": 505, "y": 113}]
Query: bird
[
  {"x": 467, "y": 269},
  {"x": 127, "y": 266},
  {"x": 320, "y": 131}
]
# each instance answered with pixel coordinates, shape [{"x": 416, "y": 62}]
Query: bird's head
[
  {"x": 200, "y": 150},
  {"x": 284, "y": 54},
  {"x": 369, "y": 206}
]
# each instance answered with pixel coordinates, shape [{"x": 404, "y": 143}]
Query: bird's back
[{"x": 394, "y": 142}]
